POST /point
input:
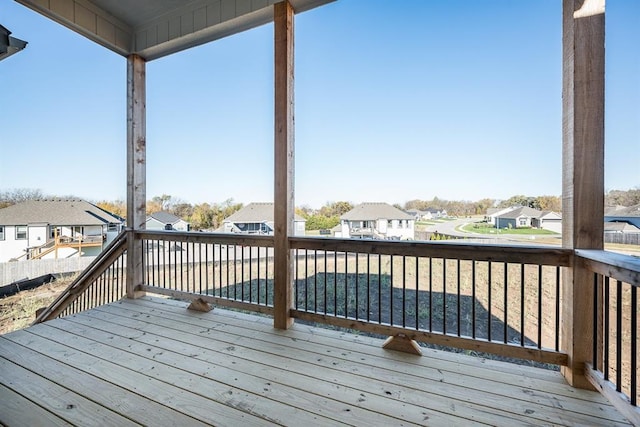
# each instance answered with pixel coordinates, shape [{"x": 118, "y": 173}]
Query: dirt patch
[{"x": 19, "y": 311}]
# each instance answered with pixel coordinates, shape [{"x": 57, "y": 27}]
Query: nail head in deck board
[
  {"x": 163, "y": 319},
  {"x": 102, "y": 392},
  {"x": 478, "y": 390},
  {"x": 63, "y": 402}
]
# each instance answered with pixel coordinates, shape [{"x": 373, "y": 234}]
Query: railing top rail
[
  {"x": 97, "y": 266},
  {"x": 464, "y": 251},
  {"x": 202, "y": 237},
  {"x": 618, "y": 266}
]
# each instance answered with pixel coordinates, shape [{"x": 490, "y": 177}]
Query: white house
[
  {"x": 55, "y": 228},
  {"x": 377, "y": 221},
  {"x": 166, "y": 221},
  {"x": 257, "y": 218},
  {"x": 548, "y": 220}
]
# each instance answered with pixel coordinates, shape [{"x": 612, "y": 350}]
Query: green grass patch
[{"x": 484, "y": 228}]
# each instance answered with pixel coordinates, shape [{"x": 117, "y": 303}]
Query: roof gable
[{"x": 165, "y": 217}]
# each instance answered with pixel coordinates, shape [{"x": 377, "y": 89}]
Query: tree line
[{"x": 209, "y": 216}]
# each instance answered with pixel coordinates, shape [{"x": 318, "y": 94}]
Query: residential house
[
  {"x": 620, "y": 227},
  {"x": 630, "y": 215},
  {"x": 419, "y": 215},
  {"x": 548, "y": 220},
  {"x": 377, "y": 221},
  {"x": 257, "y": 218},
  {"x": 493, "y": 213},
  {"x": 523, "y": 216},
  {"x": 55, "y": 228},
  {"x": 516, "y": 218},
  {"x": 166, "y": 221},
  {"x": 425, "y": 215}
]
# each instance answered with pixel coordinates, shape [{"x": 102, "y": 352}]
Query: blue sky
[{"x": 395, "y": 101}]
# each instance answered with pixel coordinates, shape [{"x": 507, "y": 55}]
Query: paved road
[{"x": 449, "y": 228}]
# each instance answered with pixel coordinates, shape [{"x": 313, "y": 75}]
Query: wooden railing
[
  {"x": 614, "y": 366},
  {"x": 232, "y": 270},
  {"x": 498, "y": 299},
  {"x": 504, "y": 300},
  {"x": 103, "y": 281}
]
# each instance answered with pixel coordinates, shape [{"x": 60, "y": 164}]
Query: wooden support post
[
  {"x": 582, "y": 173},
  {"x": 136, "y": 169},
  {"x": 284, "y": 163}
]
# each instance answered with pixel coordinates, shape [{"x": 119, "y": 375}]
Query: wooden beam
[
  {"x": 583, "y": 172},
  {"x": 136, "y": 168},
  {"x": 284, "y": 163},
  {"x": 467, "y": 343},
  {"x": 617, "y": 399}
]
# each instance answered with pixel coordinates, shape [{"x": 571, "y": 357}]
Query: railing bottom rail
[
  {"x": 473, "y": 344},
  {"x": 219, "y": 301},
  {"x": 619, "y": 400}
]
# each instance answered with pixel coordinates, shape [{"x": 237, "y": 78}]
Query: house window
[
  {"x": 523, "y": 222},
  {"x": 112, "y": 227},
  {"x": 390, "y": 223},
  {"x": 21, "y": 232},
  {"x": 54, "y": 232},
  {"x": 1, "y": 232}
]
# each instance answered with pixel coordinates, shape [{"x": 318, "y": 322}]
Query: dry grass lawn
[{"x": 19, "y": 310}]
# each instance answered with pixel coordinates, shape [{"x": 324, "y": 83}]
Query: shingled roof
[
  {"x": 623, "y": 211},
  {"x": 521, "y": 211},
  {"x": 56, "y": 212},
  {"x": 165, "y": 217},
  {"x": 256, "y": 212},
  {"x": 374, "y": 212}
]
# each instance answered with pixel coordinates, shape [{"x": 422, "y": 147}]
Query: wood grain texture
[
  {"x": 136, "y": 167},
  {"x": 150, "y": 360},
  {"x": 284, "y": 163},
  {"x": 583, "y": 171}
]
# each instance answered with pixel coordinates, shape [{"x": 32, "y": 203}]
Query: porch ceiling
[{"x": 156, "y": 28}]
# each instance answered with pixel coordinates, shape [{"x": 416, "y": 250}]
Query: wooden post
[
  {"x": 136, "y": 169},
  {"x": 582, "y": 172},
  {"x": 284, "y": 163}
]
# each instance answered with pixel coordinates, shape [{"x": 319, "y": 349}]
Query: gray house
[
  {"x": 166, "y": 221},
  {"x": 630, "y": 215},
  {"x": 55, "y": 228},
  {"x": 257, "y": 218}
]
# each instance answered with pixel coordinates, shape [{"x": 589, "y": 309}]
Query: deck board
[{"x": 150, "y": 361}]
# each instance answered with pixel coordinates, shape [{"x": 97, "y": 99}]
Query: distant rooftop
[
  {"x": 374, "y": 211},
  {"x": 256, "y": 212},
  {"x": 56, "y": 212},
  {"x": 9, "y": 45}
]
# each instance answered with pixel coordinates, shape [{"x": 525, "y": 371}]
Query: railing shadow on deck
[{"x": 503, "y": 300}]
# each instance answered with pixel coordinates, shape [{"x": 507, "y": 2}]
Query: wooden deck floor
[{"x": 152, "y": 362}]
